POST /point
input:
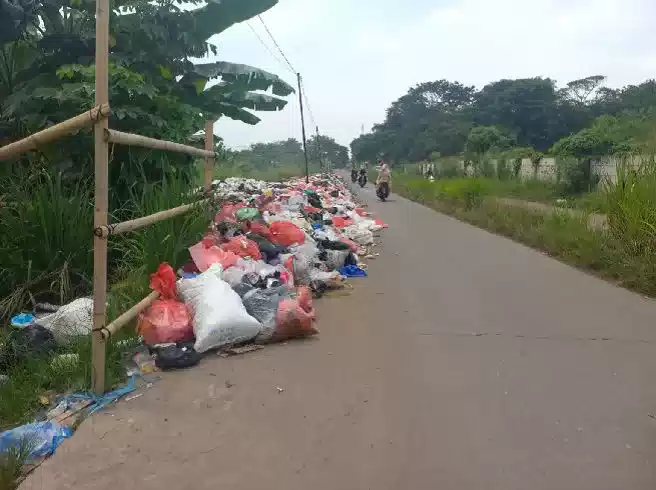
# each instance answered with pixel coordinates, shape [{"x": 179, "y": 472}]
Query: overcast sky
[{"x": 357, "y": 56}]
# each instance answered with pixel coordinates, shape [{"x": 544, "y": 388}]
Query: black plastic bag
[{"x": 178, "y": 356}]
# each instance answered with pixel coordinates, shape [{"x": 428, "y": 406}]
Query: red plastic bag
[
  {"x": 163, "y": 281},
  {"x": 204, "y": 256},
  {"x": 227, "y": 212},
  {"x": 167, "y": 319},
  {"x": 259, "y": 228},
  {"x": 340, "y": 222},
  {"x": 380, "y": 222},
  {"x": 286, "y": 233},
  {"x": 243, "y": 247},
  {"x": 295, "y": 317},
  {"x": 310, "y": 209}
]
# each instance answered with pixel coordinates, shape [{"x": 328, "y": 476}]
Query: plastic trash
[
  {"x": 361, "y": 236},
  {"x": 243, "y": 247},
  {"x": 219, "y": 317},
  {"x": 72, "y": 320},
  {"x": 286, "y": 233},
  {"x": 248, "y": 214},
  {"x": 227, "y": 212},
  {"x": 40, "y": 438},
  {"x": 352, "y": 271},
  {"x": 167, "y": 319},
  {"x": 23, "y": 320},
  {"x": 177, "y": 356},
  {"x": 204, "y": 257}
]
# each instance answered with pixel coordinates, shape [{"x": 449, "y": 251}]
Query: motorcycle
[
  {"x": 362, "y": 180},
  {"x": 382, "y": 191}
]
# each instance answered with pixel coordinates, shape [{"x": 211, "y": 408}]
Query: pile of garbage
[{"x": 272, "y": 248}]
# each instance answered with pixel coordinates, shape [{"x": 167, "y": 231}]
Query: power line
[
  {"x": 266, "y": 46},
  {"x": 276, "y": 44}
]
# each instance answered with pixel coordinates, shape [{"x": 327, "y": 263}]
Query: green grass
[
  {"x": 46, "y": 255},
  {"x": 624, "y": 254}
]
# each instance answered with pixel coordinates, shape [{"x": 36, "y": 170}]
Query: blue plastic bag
[
  {"x": 352, "y": 271},
  {"x": 42, "y": 438}
]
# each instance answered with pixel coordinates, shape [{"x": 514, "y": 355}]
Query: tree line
[{"x": 583, "y": 119}]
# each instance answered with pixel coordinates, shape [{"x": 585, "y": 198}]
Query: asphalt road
[{"x": 465, "y": 361}]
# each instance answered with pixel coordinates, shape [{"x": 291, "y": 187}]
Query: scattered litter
[
  {"x": 40, "y": 438},
  {"x": 134, "y": 397},
  {"x": 237, "y": 351},
  {"x": 280, "y": 390},
  {"x": 23, "y": 320}
]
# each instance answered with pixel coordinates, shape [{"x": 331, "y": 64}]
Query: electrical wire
[
  {"x": 266, "y": 46},
  {"x": 276, "y": 44}
]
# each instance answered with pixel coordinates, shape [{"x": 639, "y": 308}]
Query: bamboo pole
[
  {"x": 86, "y": 119},
  {"x": 102, "y": 197},
  {"x": 135, "y": 224},
  {"x": 143, "y": 141},
  {"x": 209, "y": 146},
  {"x": 129, "y": 315}
]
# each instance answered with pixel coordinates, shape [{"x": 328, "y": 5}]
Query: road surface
[{"x": 465, "y": 361}]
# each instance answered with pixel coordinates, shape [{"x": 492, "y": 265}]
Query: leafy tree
[
  {"x": 156, "y": 88},
  {"x": 324, "y": 149},
  {"x": 581, "y": 90},
  {"x": 526, "y": 107},
  {"x": 482, "y": 139}
]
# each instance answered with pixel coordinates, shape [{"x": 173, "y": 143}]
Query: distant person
[
  {"x": 383, "y": 181},
  {"x": 354, "y": 174}
]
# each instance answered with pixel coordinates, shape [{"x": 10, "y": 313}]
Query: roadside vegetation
[{"x": 158, "y": 88}]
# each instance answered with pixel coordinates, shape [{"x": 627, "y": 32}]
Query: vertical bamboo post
[
  {"x": 209, "y": 146},
  {"x": 101, "y": 170}
]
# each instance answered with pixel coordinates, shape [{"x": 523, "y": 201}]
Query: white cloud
[{"x": 357, "y": 57}]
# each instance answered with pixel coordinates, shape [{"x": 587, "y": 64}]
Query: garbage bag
[
  {"x": 31, "y": 341},
  {"x": 284, "y": 313},
  {"x": 167, "y": 319},
  {"x": 286, "y": 233},
  {"x": 300, "y": 267},
  {"x": 359, "y": 235},
  {"x": 219, "y": 317},
  {"x": 336, "y": 259},
  {"x": 260, "y": 228},
  {"x": 233, "y": 275},
  {"x": 227, "y": 212},
  {"x": 336, "y": 245},
  {"x": 341, "y": 222},
  {"x": 70, "y": 321},
  {"x": 247, "y": 214},
  {"x": 41, "y": 438},
  {"x": 295, "y": 318},
  {"x": 352, "y": 271},
  {"x": 243, "y": 247},
  {"x": 204, "y": 256},
  {"x": 178, "y": 356},
  {"x": 268, "y": 249},
  {"x": 262, "y": 304}
]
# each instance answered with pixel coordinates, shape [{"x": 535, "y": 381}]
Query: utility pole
[
  {"x": 319, "y": 151},
  {"x": 300, "y": 101}
]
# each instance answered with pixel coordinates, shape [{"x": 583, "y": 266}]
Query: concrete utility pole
[{"x": 300, "y": 100}]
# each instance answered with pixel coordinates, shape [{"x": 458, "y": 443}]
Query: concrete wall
[{"x": 548, "y": 169}]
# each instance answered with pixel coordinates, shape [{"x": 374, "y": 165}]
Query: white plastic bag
[
  {"x": 359, "y": 235},
  {"x": 219, "y": 317},
  {"x": 72, "y": 320}
]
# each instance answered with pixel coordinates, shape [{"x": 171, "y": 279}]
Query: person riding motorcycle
[
  {"x": 354, "y": 174},
  {"x": 362, "y": 178},
  {"x": 383, "y": 181}
]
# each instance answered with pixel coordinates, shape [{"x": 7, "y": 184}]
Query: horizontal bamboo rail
[
  {"x": 137, "y": 140},
  {"x": 129, "y": 315},
  {"x": 55, "y": 132},
  {"x": 136, "y": 224}
]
